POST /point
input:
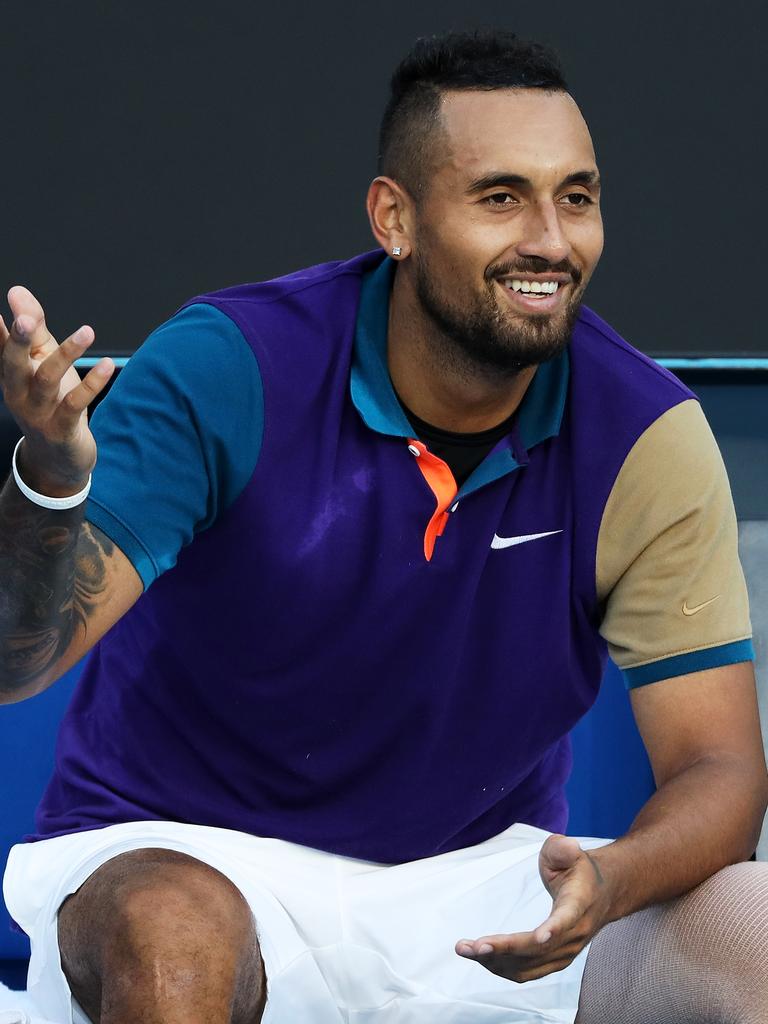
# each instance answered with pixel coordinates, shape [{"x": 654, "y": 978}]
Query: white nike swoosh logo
[{"x": 508, "y": 542}]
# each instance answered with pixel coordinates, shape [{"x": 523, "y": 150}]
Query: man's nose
[{"x": 543, "y": 234}]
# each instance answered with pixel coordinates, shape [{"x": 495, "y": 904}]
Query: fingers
[
  {"x": 569, "y": 908},
  {"x": 16, "y": 370},
  {"x": 578, "y": 911},
  {"x": 44, "y": 385},
  {"x": 564, "y": 933},
  {"x": 41, "y": 382},
  {"x": 37, "y": 375},
  {"x": 79, "y": 398},
  {"x": 21, "y": 300},
  {"x": 519, "y": 944},
  {"x": 26, "y": 308},
  {"x": 520, "y": 957},
  {"x": 568, "y": 915}
]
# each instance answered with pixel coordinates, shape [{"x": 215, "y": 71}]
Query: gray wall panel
[{"x": 157, "y": 150}]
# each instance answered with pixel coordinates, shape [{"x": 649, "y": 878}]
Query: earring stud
[{"x": 396, "y": 250}]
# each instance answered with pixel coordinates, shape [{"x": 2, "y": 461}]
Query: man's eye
[
  {"x": 499, "y": 199},
  {"x": 578, "y": 199}
]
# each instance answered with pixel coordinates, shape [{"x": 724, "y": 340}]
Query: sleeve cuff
[
  {"x": 125, "y": 539},
  {"x": 694, "y": 661}
]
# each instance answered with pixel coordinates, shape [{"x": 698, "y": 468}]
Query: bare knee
[{"x": 160, "y": 926}]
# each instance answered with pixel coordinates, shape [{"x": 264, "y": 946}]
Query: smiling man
[
  {"x": 347, "y": 603},
  {"x": 498, "y": 244}
]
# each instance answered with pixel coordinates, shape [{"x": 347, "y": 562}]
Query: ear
[{"x": 390, "y": 212}]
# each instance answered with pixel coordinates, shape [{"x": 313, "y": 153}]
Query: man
[{"x": 355, "y": 545}]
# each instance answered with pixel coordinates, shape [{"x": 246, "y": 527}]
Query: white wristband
[{"x": 42, "y": 499}]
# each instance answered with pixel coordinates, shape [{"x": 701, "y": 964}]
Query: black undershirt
[{"x": 462, "y": 452}]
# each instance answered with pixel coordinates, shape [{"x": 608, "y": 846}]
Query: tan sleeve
[{"x": 668, "y": 574}]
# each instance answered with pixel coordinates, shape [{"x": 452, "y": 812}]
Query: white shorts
[{"x": 343, "y": 941}]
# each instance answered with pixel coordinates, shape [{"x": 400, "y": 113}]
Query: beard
[{"x": 484, "y": 337}]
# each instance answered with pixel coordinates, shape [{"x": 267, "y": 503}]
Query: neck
[{"x": 449, "y": 393}]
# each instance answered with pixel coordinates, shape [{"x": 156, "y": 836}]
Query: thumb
[{"x": 558, "y": 854}]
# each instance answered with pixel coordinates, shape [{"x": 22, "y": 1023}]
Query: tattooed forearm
[
  {"x": 90, "y": 573},
  {"x": 52, "y": 572}
]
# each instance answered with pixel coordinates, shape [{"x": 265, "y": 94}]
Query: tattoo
[
  {"x": 598, "y": 872},
  {"x": 52, "y": 573},
  {"x": 90, "y": 573}
]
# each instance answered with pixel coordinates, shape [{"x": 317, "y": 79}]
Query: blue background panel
[
  {"x": 27, "y": 740},
  {"x": 611, "y": 778}
]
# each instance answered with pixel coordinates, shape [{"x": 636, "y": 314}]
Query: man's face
[{"x": 509, "y": 231}]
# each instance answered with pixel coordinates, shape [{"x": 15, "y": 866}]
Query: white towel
[{"x": 17, "y": 1008}]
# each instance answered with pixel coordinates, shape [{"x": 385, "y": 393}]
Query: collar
[{"x": 539, "y": 416}]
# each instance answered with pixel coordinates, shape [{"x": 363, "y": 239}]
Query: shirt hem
[
  {"x": 125, "y": 539},
  {"x": 692, "y": 661}
]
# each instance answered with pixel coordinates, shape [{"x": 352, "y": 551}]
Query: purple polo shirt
[{"x": 306, "y": 670}]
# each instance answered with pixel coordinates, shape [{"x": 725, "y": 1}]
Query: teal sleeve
[{"x": 178, "y": 437}]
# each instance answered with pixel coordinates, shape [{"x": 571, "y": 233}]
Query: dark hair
[{"x": 457, "y": 60}]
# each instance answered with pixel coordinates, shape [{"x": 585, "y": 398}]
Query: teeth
[{"x": 537, "y": 287}]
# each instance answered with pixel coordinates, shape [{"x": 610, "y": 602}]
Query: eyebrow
[{"x": 495, "y": 179}]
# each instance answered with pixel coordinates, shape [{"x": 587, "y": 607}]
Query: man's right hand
[
  {"x": 63, "y": 583},
  {"x": 44, "y": 394}
]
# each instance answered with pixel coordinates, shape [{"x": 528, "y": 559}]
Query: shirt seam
[{"x": 262, "y": 391}]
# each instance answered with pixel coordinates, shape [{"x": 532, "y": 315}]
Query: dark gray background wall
[
  {"x": 157, "y": 150},
  {"x": 736, "y": 405}
]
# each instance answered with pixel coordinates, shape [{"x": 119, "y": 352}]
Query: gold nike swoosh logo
[{"x": 698, "y": 607}]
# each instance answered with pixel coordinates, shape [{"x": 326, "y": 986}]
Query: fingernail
[
  {"x": 485, "y": 948},
  {"x": 465, "y": 949},
  {"x": 545, "y": 937},
  {"x": 21, "y": 330},
  {"x": 79, "y": 336}
]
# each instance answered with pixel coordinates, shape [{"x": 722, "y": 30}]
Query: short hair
[{"x": 482, "y": 60}]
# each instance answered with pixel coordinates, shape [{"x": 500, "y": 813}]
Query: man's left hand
[{"x": 580, "y": 905}]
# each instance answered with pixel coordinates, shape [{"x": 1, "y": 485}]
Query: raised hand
[
  {"x": 44, "y": 394},
  {"x": 580, "y": 908}
]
